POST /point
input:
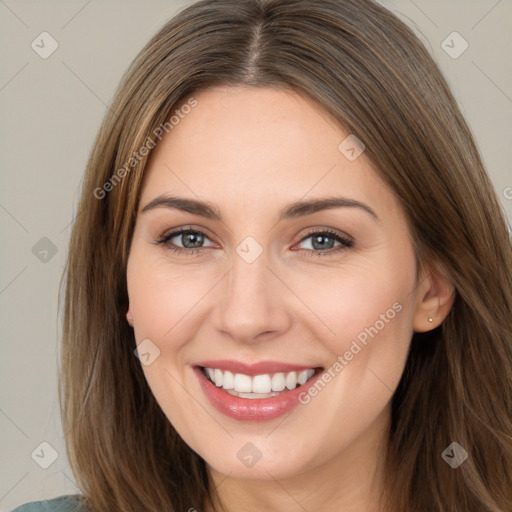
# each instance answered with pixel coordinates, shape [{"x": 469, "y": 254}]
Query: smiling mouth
[{"x": 258, "y": 386}]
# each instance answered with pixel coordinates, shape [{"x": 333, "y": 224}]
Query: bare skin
[{"x": 251, "y": 152}]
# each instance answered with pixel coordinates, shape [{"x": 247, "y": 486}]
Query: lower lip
[{"x": 252, "y": 409}]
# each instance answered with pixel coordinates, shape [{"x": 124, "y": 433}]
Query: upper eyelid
[{"x": 180, "y": 231}]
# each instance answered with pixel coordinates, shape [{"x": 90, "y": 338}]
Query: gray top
[{"x": 67, "y": 503}]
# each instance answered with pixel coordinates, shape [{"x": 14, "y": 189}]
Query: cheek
[
  {"x": 362, "y": 303},
  {"x": 163, "y": 296},
  {"x": 377, "y": 321},
  {"x": 369, "y": 310}
]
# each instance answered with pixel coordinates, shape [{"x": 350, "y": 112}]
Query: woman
[{"x": 289, "y": 282}]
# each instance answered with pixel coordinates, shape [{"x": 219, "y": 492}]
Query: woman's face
[{"x": 267, "y": 293}]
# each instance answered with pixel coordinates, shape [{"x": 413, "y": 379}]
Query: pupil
[
  {"x": 322, "y": 245},
  {"x": 191, "y": 237}
]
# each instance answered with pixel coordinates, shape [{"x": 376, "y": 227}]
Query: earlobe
[
  {"x": 129, "y": 317},
  {"x": 434, "y": 300}
]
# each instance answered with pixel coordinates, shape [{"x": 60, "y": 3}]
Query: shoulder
[{"x": 67, "y": 503}]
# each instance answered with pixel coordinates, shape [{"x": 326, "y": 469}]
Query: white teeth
[
  {"x": 302, "y": 377},
  {"x": 278, "y": 383},
  {"x": 259, "y": 386},
  {"x": 228, "y": 381},
  {"x": 242, "y": 383},
  {"x": 291, "y": 380}
]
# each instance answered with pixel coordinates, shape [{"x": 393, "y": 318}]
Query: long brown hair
[{"x": 367, "y": 69}]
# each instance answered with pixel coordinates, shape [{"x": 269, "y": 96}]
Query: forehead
[{"x": 266, "y": 142}]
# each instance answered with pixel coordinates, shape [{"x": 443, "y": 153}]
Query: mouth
[{"x": 245, "y": 392}]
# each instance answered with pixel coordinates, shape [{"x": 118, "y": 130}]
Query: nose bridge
[
  {"x": 250, "y": 303},
  {"x": 249, "y": 267}
]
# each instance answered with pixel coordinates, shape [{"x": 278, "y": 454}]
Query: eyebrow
[{"x": 293, "y": 210}]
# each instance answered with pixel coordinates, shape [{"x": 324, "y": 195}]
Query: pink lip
[
  {"x": 253, "y": 369},
  {"x": 257, "y": 409}
]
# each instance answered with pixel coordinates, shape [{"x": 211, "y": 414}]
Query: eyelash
[{"x": 346, "y": 243}]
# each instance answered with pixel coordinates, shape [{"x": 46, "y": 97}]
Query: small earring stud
[{"x": 430, "y": 320}]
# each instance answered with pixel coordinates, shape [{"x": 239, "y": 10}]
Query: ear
[
  {"x": 129, "y": 317},
  {"x": 434, "y": 299}
]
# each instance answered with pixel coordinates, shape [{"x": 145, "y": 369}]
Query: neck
[{"x": 351, "y": 481}]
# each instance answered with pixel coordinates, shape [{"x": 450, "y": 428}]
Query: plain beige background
[{"x": 51, "y": 109}]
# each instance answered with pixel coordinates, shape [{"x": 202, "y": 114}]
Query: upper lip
[{"x": 255, "y": 368}]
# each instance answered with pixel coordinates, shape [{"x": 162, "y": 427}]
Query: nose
[{"x": 253, "y": 301}]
